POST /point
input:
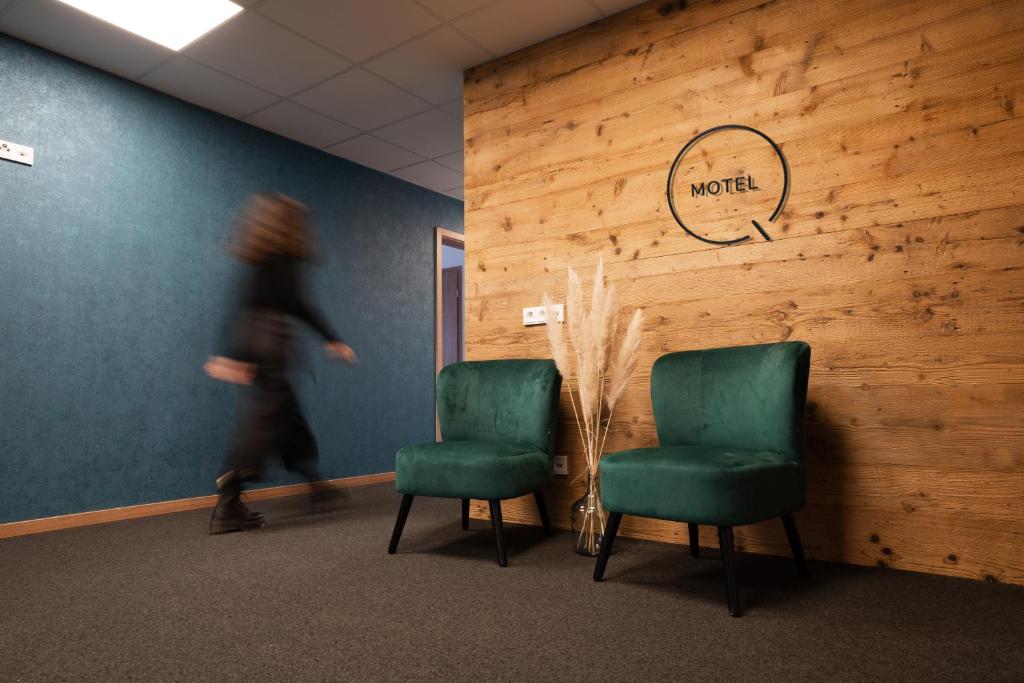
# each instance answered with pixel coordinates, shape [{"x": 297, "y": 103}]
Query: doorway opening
[{"x": 450, "y": 307}]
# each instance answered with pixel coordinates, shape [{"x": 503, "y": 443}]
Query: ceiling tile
[
  {"x": 298, "y": 123},
  {"x": 430, "y": 175},
  {"x": 458, "y": 193},
  {"x": 258, "y": 51},
  {"x": 67, "y": 31},
  {"x": 431, "y": 133},
  {"x": 375, "y": 153},
  {"x": 195, "y": 83},
  {"x": 361, "y": 99},
  {"x": 356, "y": 29},
  {"x": 509, "y": 25},
  {"x": 453, "y": 161},
  {"x": 449, "y": 9},
  {"x": 430, "y": 66},
  {"x": 615, "y": 6}
]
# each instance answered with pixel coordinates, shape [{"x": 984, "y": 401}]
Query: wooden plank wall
[{"x": 900, "y": 255}]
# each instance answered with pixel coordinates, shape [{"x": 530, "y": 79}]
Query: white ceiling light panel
[{"x": 171, "y": 23}]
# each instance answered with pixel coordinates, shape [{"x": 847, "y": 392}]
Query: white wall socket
[
  {"x": 538, "y": 315},
  {"x": 15, "y": 152},
  {"x": 561, "y": 465}
]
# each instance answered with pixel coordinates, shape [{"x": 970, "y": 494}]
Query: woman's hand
[
  {"x": 228, "y": 370},
  {"x": 341, "y": 351}
]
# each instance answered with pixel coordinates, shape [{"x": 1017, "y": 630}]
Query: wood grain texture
[{"x": 899, "y": 255}]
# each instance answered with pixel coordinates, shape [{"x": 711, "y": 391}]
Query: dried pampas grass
[
  {"x": 625, "y": 361},
  {"x": 599, "y": 373},
  {"x": 575, "y": 300},
  {"x": 556, "y": 338}
]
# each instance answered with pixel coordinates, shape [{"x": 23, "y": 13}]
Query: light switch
[{"x": 561, "y": 465}]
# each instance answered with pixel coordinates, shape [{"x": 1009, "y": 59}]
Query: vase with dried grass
[{"x": 595, "y": 374}]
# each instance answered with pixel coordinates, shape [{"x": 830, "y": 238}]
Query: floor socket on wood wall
[{"x": 561, "y": 465}]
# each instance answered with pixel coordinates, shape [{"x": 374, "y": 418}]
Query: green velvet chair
[
  {"x": 730, "y": 425},
  {"x": 498, "y": 429}
]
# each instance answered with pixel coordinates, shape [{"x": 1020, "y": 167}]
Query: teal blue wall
[{"x": 114, "y": 287}]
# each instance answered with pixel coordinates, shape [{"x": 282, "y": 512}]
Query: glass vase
[{"x": 587, "y": 517}]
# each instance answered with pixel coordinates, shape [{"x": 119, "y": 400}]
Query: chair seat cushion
[
  {"x": 489, "y": 470},
  {"x": 701, "y": 484}
]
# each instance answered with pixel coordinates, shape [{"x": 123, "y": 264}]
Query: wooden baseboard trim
[{"x": 38, "y": 526}]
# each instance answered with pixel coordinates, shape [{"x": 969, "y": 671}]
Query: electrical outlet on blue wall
[{"x": 15, "y": 152}]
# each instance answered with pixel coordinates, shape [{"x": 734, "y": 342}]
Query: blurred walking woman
[{"x": 273, "y": 237}]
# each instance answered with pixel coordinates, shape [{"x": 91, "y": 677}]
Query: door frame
[{"x": 451, "y": 238}]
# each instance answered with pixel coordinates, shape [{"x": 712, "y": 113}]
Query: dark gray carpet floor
[{"x": 316, "y": 597}]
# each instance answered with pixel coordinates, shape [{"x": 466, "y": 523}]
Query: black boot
[{"x": 230, "y": 514}]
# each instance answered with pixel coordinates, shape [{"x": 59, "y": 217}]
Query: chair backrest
[
  {"x": 749, "y": 397},
  {"x": 499, "y": 400}
]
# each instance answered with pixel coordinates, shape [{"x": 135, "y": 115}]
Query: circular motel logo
[{"x": 728, "y": 184}]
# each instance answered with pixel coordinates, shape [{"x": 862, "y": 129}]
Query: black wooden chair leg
[
  {"x": 498, "y": 535},
  {"x": 794, "y": 543},
  {"x": 403, "y": 512},
  {"x": 725, "y": 543},
  {"x": 542, "y": 508},
  {"x": 694, "y": 540},
  {"x": 465, "y": 514},
  {"x": 610, "y": 529}
]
